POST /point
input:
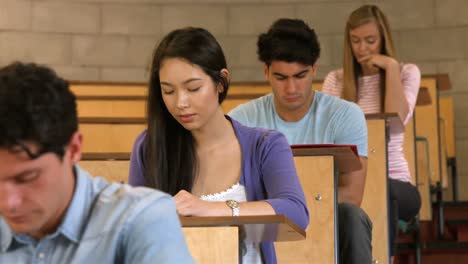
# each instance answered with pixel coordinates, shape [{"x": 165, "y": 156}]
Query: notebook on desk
[{"x": 299, "y": 146}]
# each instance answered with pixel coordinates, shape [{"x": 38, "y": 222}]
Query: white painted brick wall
[
  {"x": 113, "y": 40},
  {"x": 65, "y": 17},
  {"x": 15, "y": 14},
  {"x": 131, "y": 19}
]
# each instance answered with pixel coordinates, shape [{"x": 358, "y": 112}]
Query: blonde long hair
[{"x": 351, "y": 68}]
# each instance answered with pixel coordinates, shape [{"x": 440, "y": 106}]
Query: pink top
[{"x": 369, "y": 101}]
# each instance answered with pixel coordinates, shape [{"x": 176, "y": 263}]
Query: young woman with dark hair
[{"x": 213, "y": 165}]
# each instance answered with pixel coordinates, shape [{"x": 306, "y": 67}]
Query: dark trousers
[
  {"x": 404, "y": 204},
  {"x": 355, "y": 235}
]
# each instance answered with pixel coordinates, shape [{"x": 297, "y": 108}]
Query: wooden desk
[
  {"x": 418, "y": 169},
  {"x": 317, "y": 177},
  {"x": 442, "y": 81},
  {"x": 212, "y": 239},
  {"x": 417, "y": 157},
  {"x": 443, "y": 153},
  {"x": 236, "y": 100},
  {"x": 447, "y": 129},
  {"x": 375, "y": 200},
  {"x": 427, "y": 126},
  {"x": 343, "y": 156},
  {"x": 423, "y": 165},
  {"x": 315, "y": 168},
  {"x": 214, "y": 244},
  {"x": 256, "y": 228},
  {"x": 216, "y": 239},
  {"x": 424, "y": 97},
  {"x": 446, "y": 113}
]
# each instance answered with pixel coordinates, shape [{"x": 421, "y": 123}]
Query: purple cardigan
[{"x": 268, "y": 174}]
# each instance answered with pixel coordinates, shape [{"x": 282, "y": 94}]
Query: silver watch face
[{"x": 233, "y": 204}]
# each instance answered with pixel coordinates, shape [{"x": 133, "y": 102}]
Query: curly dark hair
[
  {"x": 290, "y": 40},
  {"x": 37, "y": 106}
]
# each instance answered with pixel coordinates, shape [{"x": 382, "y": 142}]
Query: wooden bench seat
[
  {"x": 426, "y": 120},
  {"x": 111, "y": 170},
  {"x": 94, "y": 89},
  {"x": 104, "y": 138},
  {"x": 102, "y": 108}
]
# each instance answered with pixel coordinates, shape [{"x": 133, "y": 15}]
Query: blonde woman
[{"x": 373, "y": 78}]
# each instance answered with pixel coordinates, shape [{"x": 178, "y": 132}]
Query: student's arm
[
  {"x": 401, "y": 91},
  {"x": 154, "y": 235},
  {"x": 190, "y": 205},
  {"x": 282, "y": 184},
  {"x": 284, "y": 192},
  {"x": 401, "y": 95},
  {"x": 352, "y": 129},
  {"x": 351, "y": 185},
  {"x": 395, "y": 99},
  {"x": 331, "y": 84},
  {"x": 137, "y": 168}
]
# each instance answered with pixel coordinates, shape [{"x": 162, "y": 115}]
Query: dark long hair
[{"x": 170, "y": 156}]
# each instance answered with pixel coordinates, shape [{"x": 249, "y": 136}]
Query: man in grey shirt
[{"x": 289, "y": 51}]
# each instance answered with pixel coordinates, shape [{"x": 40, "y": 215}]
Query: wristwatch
[{"x": 234, "y": 206}]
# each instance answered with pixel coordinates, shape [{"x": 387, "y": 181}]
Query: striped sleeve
[
  {"x": 411, "y": 80},
  {"x": 332, "y": 85}
]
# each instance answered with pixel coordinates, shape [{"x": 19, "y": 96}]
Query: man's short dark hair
[
  {"x": 290, "y": 40},
  {"x": 36, "y": 106}
]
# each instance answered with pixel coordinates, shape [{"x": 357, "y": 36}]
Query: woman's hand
[
  {"x": 378, "y": 60},
  {"x": 188, "y": 204}
]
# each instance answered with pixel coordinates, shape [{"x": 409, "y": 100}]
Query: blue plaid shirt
[{"x": 105, "y": 223}]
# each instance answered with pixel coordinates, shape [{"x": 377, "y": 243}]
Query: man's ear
[
  {"x": 266, "y": 71},
  {"x": 226, "y": 75},
  {"x": 74, "y": 147},
  {"x": 314, "y": 69}
]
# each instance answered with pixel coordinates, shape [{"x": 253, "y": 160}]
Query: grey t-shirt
[{"x": 330, "y": 120}]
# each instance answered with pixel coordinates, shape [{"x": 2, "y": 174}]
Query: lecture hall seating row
[{"x": 130, "y": 101}]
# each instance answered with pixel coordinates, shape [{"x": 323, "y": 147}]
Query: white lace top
[{"x": 237, "y": 192}]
